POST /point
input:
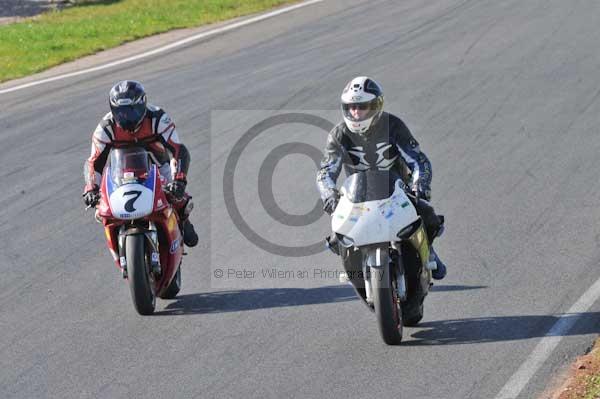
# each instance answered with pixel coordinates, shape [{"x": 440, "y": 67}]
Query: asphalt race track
[{"x": 503, "y": 96}]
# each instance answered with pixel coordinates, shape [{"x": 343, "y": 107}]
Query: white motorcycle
[{"x": 384, "y": 248}]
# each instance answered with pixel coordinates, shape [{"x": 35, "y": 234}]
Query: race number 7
[{"x": 129, "y": 204}]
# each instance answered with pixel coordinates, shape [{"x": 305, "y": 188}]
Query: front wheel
[
  {"x": 412, "y": 311},
  {"x": 385, "y": 300},
  {"x": 138, "y": 274}
]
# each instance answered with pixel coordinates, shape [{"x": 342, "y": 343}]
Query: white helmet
[{"x": 368, "y": 94}]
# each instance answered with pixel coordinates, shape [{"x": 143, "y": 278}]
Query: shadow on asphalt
[
  {"x": 449, "y": 288},
  {"x": 242, "y": 300},
  {"x": 496, "y": 329}
]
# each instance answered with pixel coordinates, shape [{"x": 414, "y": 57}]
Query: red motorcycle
[{"x": 142, "y": 229}]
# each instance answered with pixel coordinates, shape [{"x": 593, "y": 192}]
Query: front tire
[
  {"x": 385, "y": 300},
  {"x": 138, "y": 274},
  {"x": 413, "y": 311}
]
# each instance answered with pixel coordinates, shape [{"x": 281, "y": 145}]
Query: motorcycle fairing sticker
[
  {"x": 132, "y": 200},
  {"x": 174, "y": 246},
  {"x": 149, "y": 182}
]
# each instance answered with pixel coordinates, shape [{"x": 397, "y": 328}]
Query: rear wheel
[
  {"x": 175, "y": 286},
  {"x": 387, "y": 305},
  {"x": 138, "y": 274}
]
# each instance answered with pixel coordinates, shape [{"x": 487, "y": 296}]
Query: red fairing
[
  {"x": 160, "y": 199},
  {"x": 111, "y": 232},
  {"x": 103, "y": 209},
  {"x": 111, "y": 225},
  {"x": 170, "y": 245}
]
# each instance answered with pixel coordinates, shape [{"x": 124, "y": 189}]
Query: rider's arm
[
  {"x": 331, "y": 166},
  {"x": 177, "y": 151},
  {"x": 416, "y": 159},
  {"x": 92, "y": 170}
]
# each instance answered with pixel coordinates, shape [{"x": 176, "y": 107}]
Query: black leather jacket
[{"x": 388, "y": 144}]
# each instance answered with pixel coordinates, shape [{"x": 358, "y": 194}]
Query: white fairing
[
  {"x": 373, "y": 222},
  {"x": 131, "y": 201}
]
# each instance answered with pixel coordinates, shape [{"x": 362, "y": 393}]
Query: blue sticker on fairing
[
  {"x": 174, "y": 246},
  {"x": 150, "y": 180},
  {"x": 109, "y": 184}
]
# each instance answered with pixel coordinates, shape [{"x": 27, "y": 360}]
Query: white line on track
[
  {"x": 544, "y": 348},
  {"x": 168, "y": 47}
]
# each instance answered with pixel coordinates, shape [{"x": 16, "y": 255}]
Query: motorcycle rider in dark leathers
[
  {"x": 132, "y": 121},
  {"x": 369, "y": 138}
]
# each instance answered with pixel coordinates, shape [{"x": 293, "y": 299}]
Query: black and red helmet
[{"x": 127, "y": 101}]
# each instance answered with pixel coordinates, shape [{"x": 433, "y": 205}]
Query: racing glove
[
  {"x": 91, "y": 198},
  {"x": 176, "y": 188},
  {"x": 422, "y": 191},
  {"x": 331, "y": 202}
]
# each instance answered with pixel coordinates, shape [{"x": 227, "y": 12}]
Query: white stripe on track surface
[
  {"x": 546, "y": 346},
  {"x": 167, "y": 47}
]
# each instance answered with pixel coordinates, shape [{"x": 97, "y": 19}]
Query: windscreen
[
  {"x": 371, "y": 185},
  {"x": 129, "y": 165}
]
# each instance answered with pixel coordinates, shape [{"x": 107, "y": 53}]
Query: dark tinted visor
[
  {"x": 129, "y": 116},
  {"x": 371, "y": 107}
]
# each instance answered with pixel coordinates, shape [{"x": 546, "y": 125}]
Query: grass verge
[
  {"x": 584, "y": 383},
  {"x": 38, "y": 43}
]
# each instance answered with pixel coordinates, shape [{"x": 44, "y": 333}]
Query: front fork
[
  {"x": 372, "y": 258},
  {"x": 151, "y": 239}
]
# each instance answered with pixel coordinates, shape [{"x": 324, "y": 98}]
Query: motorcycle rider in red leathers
[{"x": 133, "y": 121}]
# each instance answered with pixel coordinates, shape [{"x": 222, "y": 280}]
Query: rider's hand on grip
[
  {"x": 91, "y": 198},
  {"x": 422, "y": 192},
  {"x": 176, "y": 188},
  {"x": 331, "y": 202}
]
